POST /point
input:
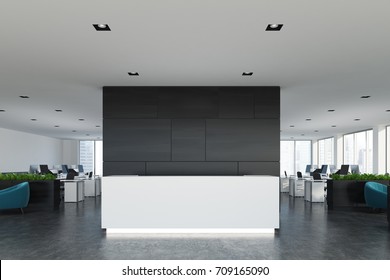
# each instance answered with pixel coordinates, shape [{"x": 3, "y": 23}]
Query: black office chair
[
  {"x": 285, "y": 173},
  {"x": 299, "y": 175},
  {"x": 317, "y": 176}
]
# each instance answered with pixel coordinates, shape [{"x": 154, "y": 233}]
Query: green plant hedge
[
  {"x": 362, "y": 177},
  {"x": 26, "y": 177}
]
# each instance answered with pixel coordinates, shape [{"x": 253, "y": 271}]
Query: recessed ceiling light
[
  {"x": 274, "y": 27},
  {"x": 308, "y": 119},
  {"x": 58, "y": 110},
  {"x": 331, "y": 110},
  {"x": 247, "y": 73},
  {"x": 98, "y": 126},
  {"x": 33, "y": 120},
  {"x": 292, "y": 125},
  {"x": 356, "y": 120},
  {"x": 56, "y": 126},
  {"x": 133, "y": 73},
  {"x": 365, "y": 96},
  {"x": 81, "y": 120},
  {"x": 388, "y": 110},
  {"x": 24, "y": 96},
  {"x": 315, "y": 130},
  {"x": 73, "y": 130},
  {"x": 333, "y": 125},
  {"x": 2, "y": 110},
  {"x": 101, "y": 27}
]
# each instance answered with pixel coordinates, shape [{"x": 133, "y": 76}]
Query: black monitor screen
[
  {"x": 81, "y": 168},
  {"x": 308, "y": 168},
  {"x": 344, "y": 169},
  {"x": 324, "y": 168},
  {"x": 45, "y": 169}
]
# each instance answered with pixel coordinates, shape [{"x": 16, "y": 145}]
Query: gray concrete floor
[{"x": 308, "y": 231}]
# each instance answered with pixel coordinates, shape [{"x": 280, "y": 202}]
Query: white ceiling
[{"x": 328, "y": 54}]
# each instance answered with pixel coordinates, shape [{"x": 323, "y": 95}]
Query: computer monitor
[
  {"x": 64, "y": 168},
  {"x": 324, "y": 169},
  {"x": 71, "y": 174},
  {"x": 308, "y": 168},
  {"x": 45, "y": 169},
  {"x": 355, "y": 169},
  {"x": 34, "y": 169},
  {"x": 81, "y": 168},
  {"x": 344, "y": 169}
]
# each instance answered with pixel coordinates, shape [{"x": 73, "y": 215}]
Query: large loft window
[
  {"x": 91, "y": 156},
  {"x": 358, "y": 150},
  {"x": 294, "y": 156},
  {"x": 326, "y": 151}
]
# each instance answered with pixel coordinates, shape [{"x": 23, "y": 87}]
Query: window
[
  {"x": 358, "y": 150},
  {"x": 294, "y": 156},
  {"x": 91, "y": 156},
  {"x": 326, "y": 151}
]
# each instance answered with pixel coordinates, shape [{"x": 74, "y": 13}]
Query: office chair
[{"x": 299, "y": 175}]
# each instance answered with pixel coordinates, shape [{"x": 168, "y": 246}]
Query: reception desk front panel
[{"x": 190, "y": 204}]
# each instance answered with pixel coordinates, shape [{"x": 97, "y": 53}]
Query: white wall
[
  {"x": 70, "y": 152},
  {"x": 19, "y": 149}
]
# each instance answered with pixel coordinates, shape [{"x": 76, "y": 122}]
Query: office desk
[
  {"x": 190, "y": 204},
  {"x": 92, "y": 186},
  {"x": 296, "y": 187},
  {"x": 315, "y": 190},
  {"x": 74, "y": 190}
]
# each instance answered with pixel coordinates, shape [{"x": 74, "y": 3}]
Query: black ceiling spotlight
[
  {"x": 98, "y": 126},
  {"x": 2, "y": 110},
  {"x": 315, "y": 130},
  {"x": 387, "y": 110},
  {"x": 308, "y": 119},
  {"x": 333, "y": 125},
  {"x": 33, "y": 120},
  {"x": 56, "y": 126},
  {"x": 292, "y": 125},
  {"x": 24, "y": 96},
  {"x": 356, "y": 120},
  {"x": 81, "y": 120},
  {"x": 331, "y": 110},
  {"x": 365, "y": 96},
  {"x": 133, "y": 73},
  {"x": 101, "y": 27},
  {"x": 73, "y": 130},
  {"x": 247, "y": 73},
  {"x": 274, "y": 27},
  {"x": 58, "y": 110}
]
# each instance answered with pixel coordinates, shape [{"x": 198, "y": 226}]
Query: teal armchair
[
  {"x": 16, "y": 196},
  {"x": 375, "y": 195}
]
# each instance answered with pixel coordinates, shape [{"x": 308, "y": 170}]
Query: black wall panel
[
  {"x": 254, "y": 168},
  {"x": 124, "y": 168},
  {"x": 191, "y": 168},
  {"x": 136, "y": 140},
  {"x": 129, "y": 102},
  {"x": 188, "y": 140},
  {"x": 191, "y": 130},
  {"x": 193, "y": 102},
  {"x": 267, "y": 103},
  {"x": 237, "y": 103},
  {"x": 242, "y": 140}
]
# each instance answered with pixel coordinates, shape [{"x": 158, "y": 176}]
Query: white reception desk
[{"x": 190, "y": 204}]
